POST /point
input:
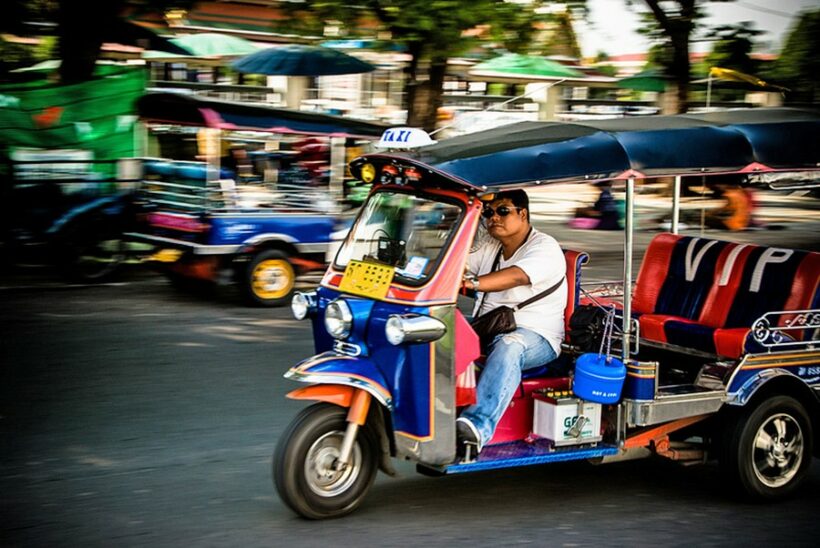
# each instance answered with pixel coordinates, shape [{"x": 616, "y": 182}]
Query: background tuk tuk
[
  {"x": 719, "y": 339},
  {"x": 244, "y": 193},
  {"x": 65, "y": 190}
]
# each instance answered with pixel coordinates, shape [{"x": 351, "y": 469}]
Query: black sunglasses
[{"x": 502, "y": 211}]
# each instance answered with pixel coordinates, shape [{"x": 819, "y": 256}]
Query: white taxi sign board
[{"x": 404, "y": 138}]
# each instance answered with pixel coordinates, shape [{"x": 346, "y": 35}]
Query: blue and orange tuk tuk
[
  {"x": 260, "y": 218},
  {"x": 719, "y": 346}
]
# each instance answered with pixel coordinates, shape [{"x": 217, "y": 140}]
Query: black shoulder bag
[{"x": 502, "y": 319}]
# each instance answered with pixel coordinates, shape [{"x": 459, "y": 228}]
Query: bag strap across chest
[{"x": 529, "y": 301}]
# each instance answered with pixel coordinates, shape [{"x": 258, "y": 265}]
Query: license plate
[
  {"x": 367, "y": 279},
  {"x": 166, "y": 255}
]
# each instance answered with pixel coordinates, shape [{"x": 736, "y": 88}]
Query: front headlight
[
  {"x": 338, "y": 319},
  {"x": 303, "y": 304},
  {"x": 394, "y": 330},
  {"x": 413, "y": 328}
]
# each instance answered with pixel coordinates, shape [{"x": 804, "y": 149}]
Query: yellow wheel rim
[{"x": 272, "y": 279}]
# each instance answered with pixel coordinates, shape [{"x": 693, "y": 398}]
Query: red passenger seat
[{"x": 705, "y": 294}]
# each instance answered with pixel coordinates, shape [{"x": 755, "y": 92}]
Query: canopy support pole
[
  {"x": 676, "y": 204},
  {"x": 709, "y": 89},
  {"x": 337, "y": 167},
  {"x": 628, "y": 232}
]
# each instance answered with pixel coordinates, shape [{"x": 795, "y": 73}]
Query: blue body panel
[
  {"x": 238, "y": 228},
  {"x": 406, "y": 370},
  {"x": 745, "y": 378}
]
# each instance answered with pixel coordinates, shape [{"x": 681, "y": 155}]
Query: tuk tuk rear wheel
[
  {"x": 303, "y": 464},
  {"x": 269, "y": 279},
  {"x": 767, "y": 449}
]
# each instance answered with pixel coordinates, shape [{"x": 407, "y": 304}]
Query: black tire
[
  {"x": 766, "y": 449},
  {"x": 87, "y": 257},
  {"x": 269, "y": 279},
  {"x": 306, "y": 448}
]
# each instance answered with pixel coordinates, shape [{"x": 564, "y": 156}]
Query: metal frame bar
[{"x": 629, "y": 228}]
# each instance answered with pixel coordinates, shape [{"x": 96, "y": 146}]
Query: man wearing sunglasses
[{"x": 515, "y": 264}]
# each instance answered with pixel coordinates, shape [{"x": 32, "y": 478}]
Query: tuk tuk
[
  {"x": 65, "y": 187},
  {"x": 243, "y": 193},
  {"x": 719, "y": 339}
]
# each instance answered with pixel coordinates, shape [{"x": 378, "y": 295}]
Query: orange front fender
[
  {"x": 355, "y": 399},
  {"x": 336, "y": 394}
]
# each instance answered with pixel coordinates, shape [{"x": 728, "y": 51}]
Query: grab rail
[{"x": 767, "y": 332}]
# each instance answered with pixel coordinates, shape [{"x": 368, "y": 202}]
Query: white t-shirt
[{"x": 541, "y": 259}]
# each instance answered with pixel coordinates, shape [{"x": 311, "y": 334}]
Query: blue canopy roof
[
  {"x": 181, "y": 109},
  {"x": 716, "y": 142}
]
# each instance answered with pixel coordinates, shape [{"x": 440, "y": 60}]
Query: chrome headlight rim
[
  {"x": 338, "y": 319},
  {"x": 303, "y": 304},
  {"x": 413, "y": 328},
  {"x": 394, "y": 330}
]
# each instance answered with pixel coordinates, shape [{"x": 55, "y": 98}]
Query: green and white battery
[{"x": 566, "y": 420}]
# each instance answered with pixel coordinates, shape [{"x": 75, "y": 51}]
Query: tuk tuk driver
[{"x": 530, "y": 262}]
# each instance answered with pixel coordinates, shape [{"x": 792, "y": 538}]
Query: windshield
[{"x": 405, "y": 231}]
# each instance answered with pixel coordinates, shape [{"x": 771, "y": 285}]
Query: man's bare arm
[{"x": 500, "y": 280}]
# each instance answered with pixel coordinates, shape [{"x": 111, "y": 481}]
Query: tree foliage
[
  {"x": 798, "y": 66},
  {"x": 733, "y": 47},
  {"x": 81, "y": 27},
  {"x": 671, "y": 25},
  {"x": 432, "y": 31},
  {"x": 562, "y": 39}
]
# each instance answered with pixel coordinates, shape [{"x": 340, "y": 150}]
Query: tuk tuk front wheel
[
  {"x": 304, "y": 470},
  {"x": 767, "y": 449},
  {"x": 269, "y": 279},
  {"x": 84, "y": 256}
]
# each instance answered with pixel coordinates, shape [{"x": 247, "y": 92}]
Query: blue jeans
[{"x": 510, "y": 354}]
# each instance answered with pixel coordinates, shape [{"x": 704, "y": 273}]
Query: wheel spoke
[
  {"x": 763, "y": 441},
  {"x": 794, "y": 446},
  {"x": 765, "y": 463},
  {"x": 780, "y": 426}
]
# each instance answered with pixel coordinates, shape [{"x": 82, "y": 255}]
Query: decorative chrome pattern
[
  {"x": 346, "y": 348},
  {"x": 767, "y": 332}
]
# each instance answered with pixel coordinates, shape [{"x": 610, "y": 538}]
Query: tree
[
  {"x": 562, "y": 39},
  {"x": 733, "y": 47},
  {"x": 798, "y": 66},
  {"x": 81, "y": 27},
  {"x": 674, "y": 23},
  {"x": 432, "y": 31}
]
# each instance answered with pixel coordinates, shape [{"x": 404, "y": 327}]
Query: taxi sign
[
  {"x": 367, "y": 279},
  {"x": 404, "y": 137}
]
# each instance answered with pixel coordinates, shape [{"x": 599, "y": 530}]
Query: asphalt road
[{"x": 133, "y": 415}]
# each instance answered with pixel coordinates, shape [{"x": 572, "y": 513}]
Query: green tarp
[{"x": 98, "y": 115}]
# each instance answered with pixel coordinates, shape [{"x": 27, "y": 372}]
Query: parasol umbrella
[
  {"x": 300, "y": 60},
  {"x": 208, "y": 44},
  {"x": 651, "y": 79},
  {"x": 525, "y": 67}
]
